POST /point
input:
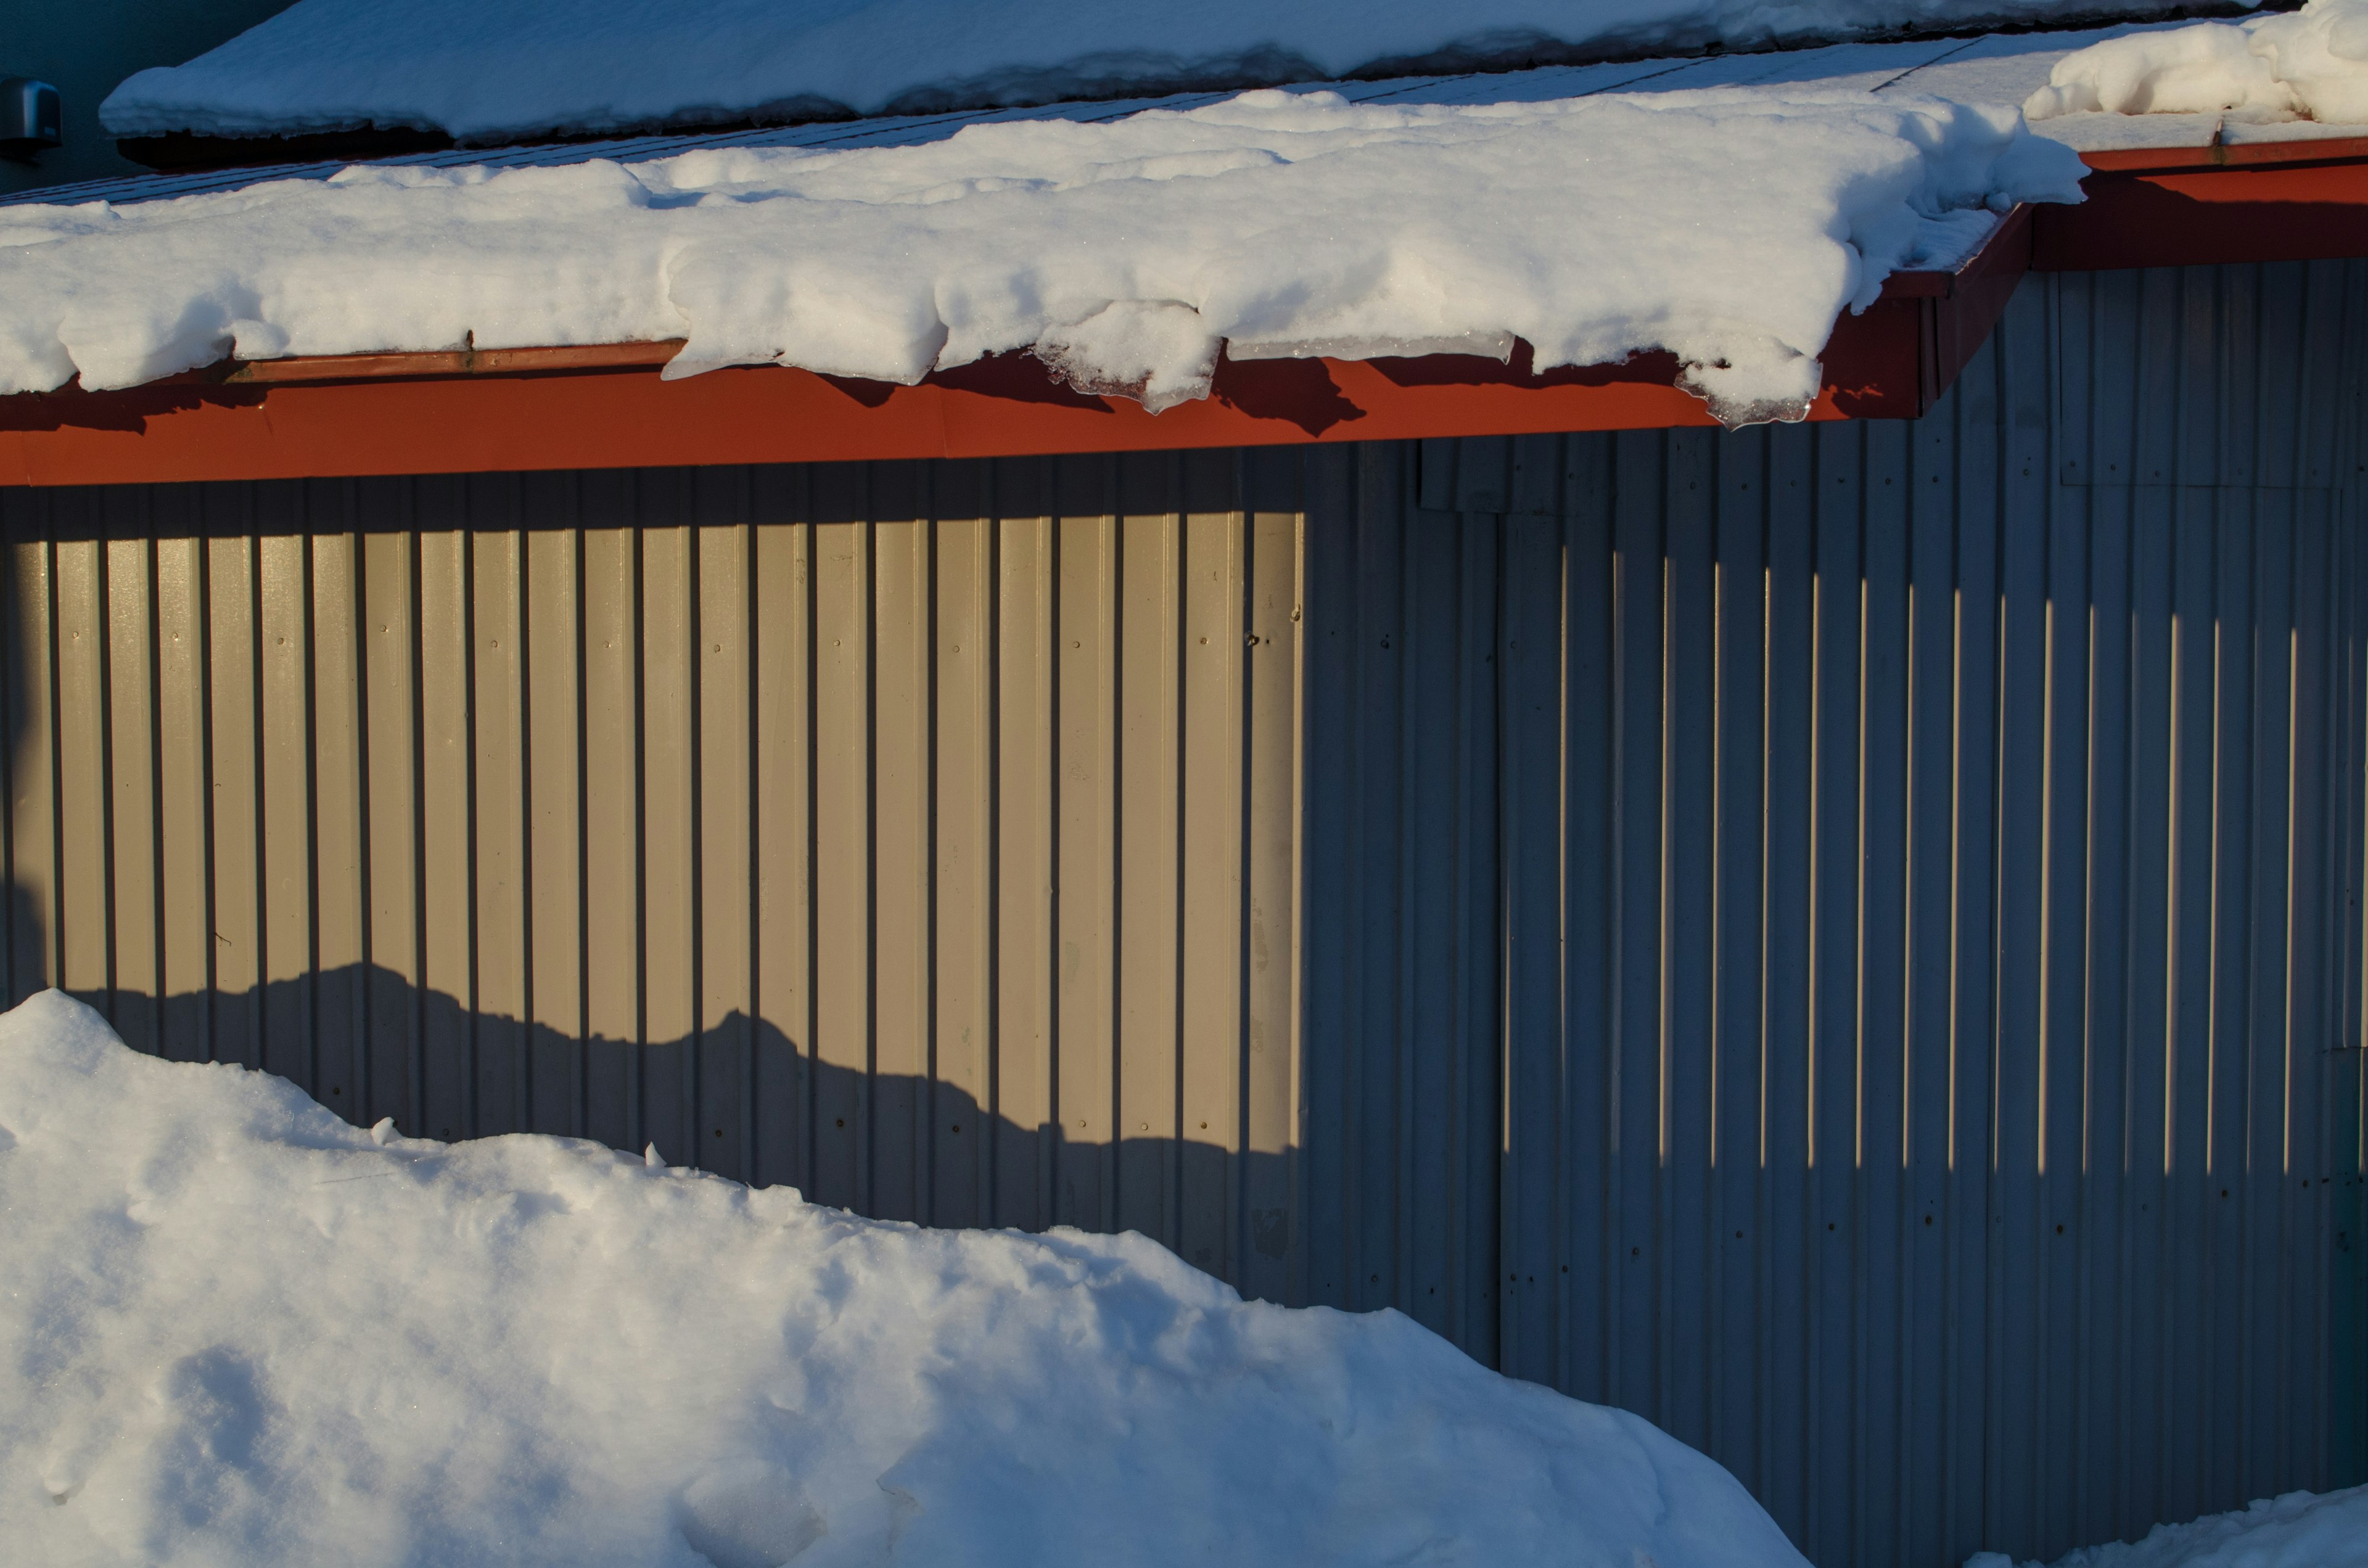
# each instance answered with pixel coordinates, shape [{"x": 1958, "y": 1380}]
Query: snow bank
[
  {"x": 1729, "y": 227},
  {"x": 2297, "y": 1530},
  {"x": 237, "y": 1331},
  {"x": 488, "y": 73},
  {"x": 2307, "y": 65}
]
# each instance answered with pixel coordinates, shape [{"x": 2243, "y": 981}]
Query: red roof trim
[{"x": 605, "y": 406}]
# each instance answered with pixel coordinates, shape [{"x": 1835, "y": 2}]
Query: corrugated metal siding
[
  {"x": 1925, "y": 986},
  {"x": 921, "y": 836},
  {"x": 1845, "y": 942}
]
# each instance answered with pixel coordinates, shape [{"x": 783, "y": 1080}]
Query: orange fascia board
[
  {"x": 2202, "y": 206},
  {"x": 605, "y": 406}
]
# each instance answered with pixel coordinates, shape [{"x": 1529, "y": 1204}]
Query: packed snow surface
[
  {"x": 491, "y": 71},
  {"x": 237, "y": 1331},
  {"x": 2305, "y": 64},
  {"x": 1729, "y": 227},
  {"x": 2297, "y": 1530}
]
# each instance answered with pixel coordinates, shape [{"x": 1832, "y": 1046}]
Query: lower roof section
[{"x": 608, "y": 408}]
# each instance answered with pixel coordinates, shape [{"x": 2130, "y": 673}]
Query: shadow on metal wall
[{"x": 739, "y": 1100}]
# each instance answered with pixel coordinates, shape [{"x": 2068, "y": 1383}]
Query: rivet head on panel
[
  {"x": 1204, "y": 641},
  {"x": 1146, "y": 1127},
  {"x": 1250, "y": 640},
  {"x": 1204, "y": 1127},
  {"x": 1081, "y": 1124},
  {"x": 1076, "y": 645}
]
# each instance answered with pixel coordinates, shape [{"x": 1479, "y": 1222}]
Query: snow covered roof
[
  {"x": 1723, "y": 209},
  {"x": 497, "y": 73}
]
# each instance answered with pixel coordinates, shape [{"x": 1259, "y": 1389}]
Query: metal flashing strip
[{"x": 2227, "y": 202}]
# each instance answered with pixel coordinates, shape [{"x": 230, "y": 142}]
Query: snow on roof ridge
[{"x": 488, "y": 74}]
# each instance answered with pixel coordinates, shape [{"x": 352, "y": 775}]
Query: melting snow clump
[
  {"x": 1729, "y": 227},
  {"x": 2297, "y": 1530},
  {"x": 2305, "y": 64},
  {"x": 236, "y": 1330}
]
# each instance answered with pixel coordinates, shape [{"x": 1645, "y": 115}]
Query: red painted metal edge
[
  {"x": 2226, "y": 154},
  {"x": 2309, "y": 203},
  {"x": 605, "y": 406}
]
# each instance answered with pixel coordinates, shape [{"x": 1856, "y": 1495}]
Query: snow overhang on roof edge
[{"x": 599, "y": 407}]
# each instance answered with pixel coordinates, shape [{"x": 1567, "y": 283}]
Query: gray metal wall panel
[
  {"x": 1985, "y": 814},
  {"x": 1845, "y": 942}
]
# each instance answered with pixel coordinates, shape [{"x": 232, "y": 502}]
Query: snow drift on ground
[
  {"x": 236, "y": 1331},
  {"x": 2307, "y": 65},
  {"x": 1729, "y": 227},
  {"x": 2297, "y": 1530},
  {"x": 491, "y": 71}
]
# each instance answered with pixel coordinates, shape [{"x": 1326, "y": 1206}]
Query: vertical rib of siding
[
  {"x": 1026, "y": 797},
  {"x": 964, "y": 851},
  {"x": 236, "y": 741},
  {"x": 285, "y": 710},
  {"x": 1529, "y": 656},
  {"x": 725, "y": 809},
  {"x": 2304, "y": 1241},
  {"x": 2235, "y": 780},
  {"x": 2148, "y": 1329},
  {"x": 86, "y": 878},
  {"x": 1689, "y": 657},
  {"x": 669, "y": 710},
  {"x": 2189, "y": 981},
  {"x": 1086, "y": 897},
  {"x": 1637, "y": 813},
  {"x": 29, "y": 729},
  {"x": 1269, "y": 1030},
  {"x": 1923, "y": 1214},
  {"x": 1149, "y": 626},
  {"x": 1738, "y": 844},
  {"x": 551, "y": 654},
  {"x": 2018, "y": 1378},
  {"x": 901, "y": 657},
  {"x": 782, "y": 634},
  {"x": 1588, "y": 1241},
  {"x": 446, "y": 812},
  {"x": 183, "y": 782},
  {"x": 2064, "y": 1045},
  {"x": 340, "y": 877},
  {"x": 1885, "y": 700},
  {"x": 390, "y": 670},
  {"x": 2005, "y": 467},
  {"x": 612, "y": 808},
  {"x": 501, "y": 1091},
  {"x": 1786, "y": 1223},
  {"x": 2103, "y": 1221},
  {"x": 1346, "y": 1249},
  {"x": 135, "y": 937},
  {"x": 842, "y": 752},
  {"x": 1213, "y": 546},
  {"x": 2261, "y": 1318}
]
